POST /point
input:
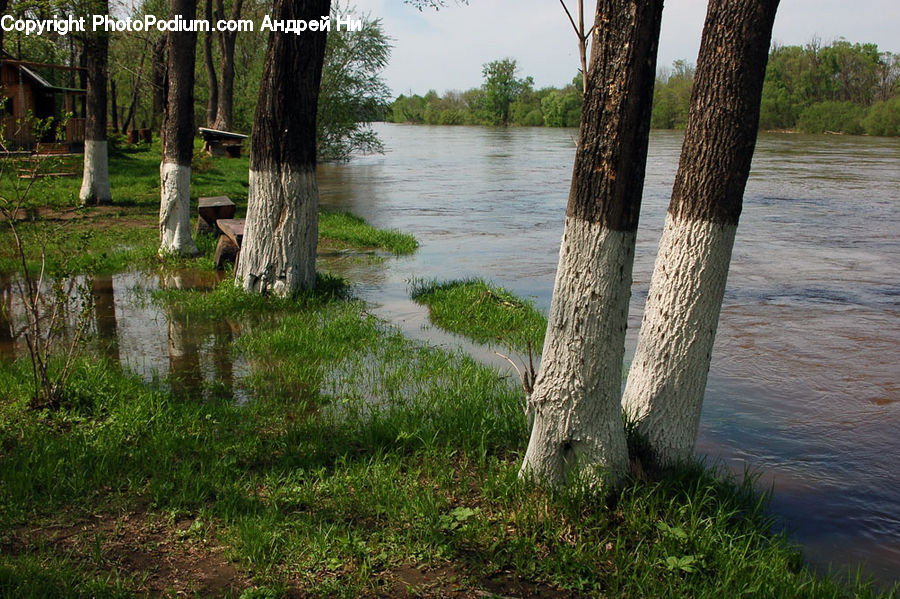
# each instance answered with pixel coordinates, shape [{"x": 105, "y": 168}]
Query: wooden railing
[{"x": 20, "y": 135}]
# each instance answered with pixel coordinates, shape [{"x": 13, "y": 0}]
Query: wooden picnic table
[
  {"x": 222, "y": 143},
  {"x": 210, "y": 210}
]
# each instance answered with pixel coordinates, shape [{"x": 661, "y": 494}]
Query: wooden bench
[
  {"x": 222, "y": 143},
  {"x": 228, "y": 248},
  {"x": 210, "y": 210}
]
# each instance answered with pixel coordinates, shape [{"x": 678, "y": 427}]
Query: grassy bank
[
  {"x": 112, "y": 238},
  {"x": 482, "y": 312},
  {"x": 364, "y": 465}
]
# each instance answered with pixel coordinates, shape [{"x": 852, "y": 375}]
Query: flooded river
[
  {"x": 805, "y": 378},
  {"x": 804, "y": 385}
]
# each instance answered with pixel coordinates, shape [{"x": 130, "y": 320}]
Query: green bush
[
  {"x": 839, "y": 117},
  {"x": 883, "y": 118},
  {"x": 562, "y": 109}
]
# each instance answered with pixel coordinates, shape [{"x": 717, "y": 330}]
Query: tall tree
[
  {"x": 212, "y": 103},
  {"x": 178, "y": 137},
  {"x": 577, "y": 415},
  {"x": 352, "y": 93},
  {"x": 501, "y": 88},
  {"x": 227, "y": 40},
  {"x": 158, "y": 79},
  {"x": 665, "y": 388},
  {"x": 95, "y": 179},
  {"x": 278, "y": 253}
]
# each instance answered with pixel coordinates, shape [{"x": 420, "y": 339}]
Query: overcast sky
[{"x": 445, "y": 50}]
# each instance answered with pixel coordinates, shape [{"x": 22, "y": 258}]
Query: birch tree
[
  {"x": 95, "y": 180},
  {"x": 665, "y": 388},
  {"x": 178, "y": 137},
  {"x": 278, "y": 253},
  {"x": 576, "y": 399}
]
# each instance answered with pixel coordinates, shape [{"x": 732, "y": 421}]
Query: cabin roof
[{"x": 35, "y": 76}]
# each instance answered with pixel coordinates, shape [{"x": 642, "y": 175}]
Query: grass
[
  {"x": 351, "y": 229},
  {"x": 482, "y": 312},
  {"x": 364, "y": 465}
]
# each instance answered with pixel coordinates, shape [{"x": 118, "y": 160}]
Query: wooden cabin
[{"x": 23, "y": 90}]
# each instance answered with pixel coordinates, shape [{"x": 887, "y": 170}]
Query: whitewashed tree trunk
[
  {"x": 178, "y": 137},
  {"x": 175, "y": 210},
  {"x": 578, "y": 426},
  {"x": 577, "y": 431},
  {"x": 278, "y": 253},
  {"x": 95, "y": 179},
  {"x": 668, "y": 375},
  {"x": 667, "y": 379}
]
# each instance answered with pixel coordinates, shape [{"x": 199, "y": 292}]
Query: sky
[{"x": 445, "y": 50}]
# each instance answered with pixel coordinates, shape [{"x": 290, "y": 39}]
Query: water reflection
[
  {"x": 105, "y": 316},
  {"x": 199, "y": 351},
  {"x": 7, "y": 333}
]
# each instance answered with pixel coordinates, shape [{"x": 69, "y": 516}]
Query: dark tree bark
[
  {"x": 227, "y": 40},
  {"x": 113, "y": 104},
  {"x": 128, "y": 123},
  {"x": 576, "y": 399},
  {"x": 158, "y": 79},
  {"x": 668, "y": 376},
  {"x": 178, "y": 136},
  {"x": 95, "y": 181},
  {"x": 278, "y": 252},
  {"x": 212, "y": 80}
]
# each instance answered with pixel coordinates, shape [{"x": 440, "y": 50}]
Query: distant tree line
[
  {"x": 842, "y": 87},
  {"x": 503, "y": 99}
]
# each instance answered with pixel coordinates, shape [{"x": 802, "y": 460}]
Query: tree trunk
[
  {"x": 95, "y": 180},
  {"x": 211, "y": 78},
  {"x": 577, "y": 416},
  {"x": 667, "y": 380},
  {"x": 113, "y": 103},
  {"x": 227, "y": 40},
  {"x": 278, "y": 252},
  {"x": 178, "y": 138},
  {"x": 158, "y": 79},
  {"x": 128, "y": 123}
]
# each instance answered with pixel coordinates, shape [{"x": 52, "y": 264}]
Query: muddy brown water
[{"x": 804, "y": 386}]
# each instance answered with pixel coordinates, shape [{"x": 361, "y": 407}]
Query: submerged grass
[
  {"x": 482, "y": 312},
  {"x": 351, "y": 229},
  {"x": 364, "y": 465}
]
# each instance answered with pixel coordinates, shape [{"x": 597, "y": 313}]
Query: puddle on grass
[
  {"x": 160, "y": 344},
  {"x": 195, "y": 357}
]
